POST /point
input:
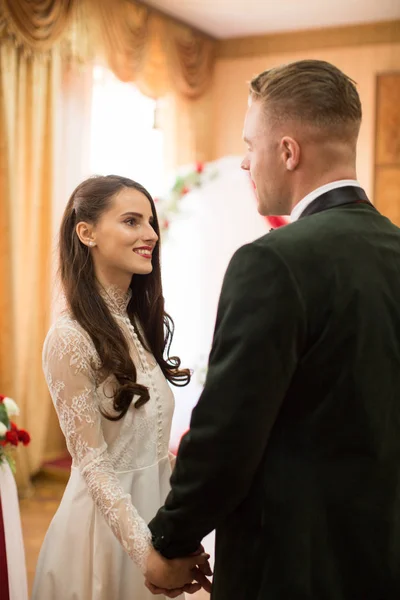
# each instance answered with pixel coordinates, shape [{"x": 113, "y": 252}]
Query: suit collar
[
  {"x": 335, "y": 198},
  {"x": 302, "y": 205}
]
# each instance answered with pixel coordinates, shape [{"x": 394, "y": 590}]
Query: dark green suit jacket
[{"x": 293, "y": 453}]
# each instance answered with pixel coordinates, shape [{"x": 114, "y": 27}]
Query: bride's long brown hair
[{"x": 87, "y": 203}]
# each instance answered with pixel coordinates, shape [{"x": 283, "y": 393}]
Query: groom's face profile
[{"x": 263, "y": 160}]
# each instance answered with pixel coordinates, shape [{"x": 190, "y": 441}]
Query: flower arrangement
[
  {"x": 168, "y": 206},
  {"x": 10, "y": 435}
]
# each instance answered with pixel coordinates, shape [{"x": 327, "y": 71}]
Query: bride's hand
[{"x": 199, "y": 575}]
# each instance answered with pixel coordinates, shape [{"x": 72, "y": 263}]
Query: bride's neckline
[{"x": 116, "y": 299}]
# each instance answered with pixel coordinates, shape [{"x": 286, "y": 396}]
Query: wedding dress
[{"x": 97, "y": 542}]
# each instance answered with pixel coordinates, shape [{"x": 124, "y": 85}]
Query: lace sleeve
[{"x": 67, "y": 360}]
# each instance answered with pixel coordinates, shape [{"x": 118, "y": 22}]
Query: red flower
[
  {"x": 13, "y": 426},
  {"x": 199, "y": 166},
  {"x": 185, "y": 190},
  {"x": 12, "y": 438},
  {"x": 3, "y": 442},
  {"x": 276, "y": 222},
  {"x": 24, "y": 437},
  {"x": 1, "y": 398}
]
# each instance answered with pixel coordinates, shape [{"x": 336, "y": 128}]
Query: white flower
[
  {"x": 11, "y": 407},
  {"x": 3, "y": 429}
]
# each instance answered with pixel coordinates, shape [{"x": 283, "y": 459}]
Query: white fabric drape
[{"x": 17, "y": 582}]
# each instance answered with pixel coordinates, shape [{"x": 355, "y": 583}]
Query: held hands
[{"x": 178, "y": 575}]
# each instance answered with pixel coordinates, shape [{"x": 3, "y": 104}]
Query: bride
[{"x": 107, "y": 367}]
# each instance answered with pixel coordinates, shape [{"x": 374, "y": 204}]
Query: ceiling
[{"x": 235, "y": 18}]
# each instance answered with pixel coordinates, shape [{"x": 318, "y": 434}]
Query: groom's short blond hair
[{"x": 310, "y": 91}]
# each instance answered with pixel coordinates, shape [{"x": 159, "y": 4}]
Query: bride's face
[{"x": 123, "y": 239}]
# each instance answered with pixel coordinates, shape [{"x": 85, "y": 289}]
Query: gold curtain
[
  {"x": 137, "y": 43},
  {"x": 39, "y": 24},
  {"x": 159, "y": 54},
  {"x": 29, "y": 86}
]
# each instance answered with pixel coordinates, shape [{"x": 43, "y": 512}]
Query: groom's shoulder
[
  {"x": 265, "y": 250},
  {"x": 293, "y": 237},
  {"x": 268, "y": 244},
  {"x": 290, "y": 244},
  {"x": 282, "y": 243},
  {"x": 284, "y": 237}
]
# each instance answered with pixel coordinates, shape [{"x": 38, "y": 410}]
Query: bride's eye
[{"x": 131, "y": 222}]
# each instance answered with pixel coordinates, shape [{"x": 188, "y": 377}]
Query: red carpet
[
  {"x": 59, "y": 467},
  {"x": 63, "y": 463}
]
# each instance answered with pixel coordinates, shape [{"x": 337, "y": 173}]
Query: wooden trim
[
  {"x": 375, "y": 166},
  {"x": 384, "y": 32},
  {"x": 380, "y": 168}
]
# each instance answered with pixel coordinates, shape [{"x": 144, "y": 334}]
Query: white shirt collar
[{"x": 302, "y": 205}]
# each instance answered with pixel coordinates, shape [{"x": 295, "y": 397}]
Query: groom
[{"x": 293, "y": 453}]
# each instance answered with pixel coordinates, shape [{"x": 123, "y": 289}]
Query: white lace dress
[{"x": 98, "y": 540}]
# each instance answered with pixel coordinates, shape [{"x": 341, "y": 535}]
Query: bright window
[{"x": 123, "y": 139}]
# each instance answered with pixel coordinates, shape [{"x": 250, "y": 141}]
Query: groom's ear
[{"x": 290, "y": 153}]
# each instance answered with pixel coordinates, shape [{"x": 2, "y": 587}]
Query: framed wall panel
[{"x": 387, "y": 146}]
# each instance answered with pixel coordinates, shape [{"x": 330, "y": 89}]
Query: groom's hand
[{"x": 176, "y": 573}]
